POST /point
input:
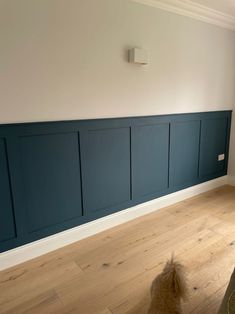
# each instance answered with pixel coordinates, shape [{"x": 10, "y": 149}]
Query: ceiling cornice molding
[{"x": 193, "y": 10}]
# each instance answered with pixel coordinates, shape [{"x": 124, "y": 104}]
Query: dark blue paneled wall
[{"x": 57, "y": 175}]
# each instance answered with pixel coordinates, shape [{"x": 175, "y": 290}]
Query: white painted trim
[
  {"x": 43, "y": 246},
  {"x": 231, "y": 180},
  {"x": 193, "y": 10}
]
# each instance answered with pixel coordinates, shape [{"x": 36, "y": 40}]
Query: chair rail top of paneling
[{"x": 125, "y": 119}]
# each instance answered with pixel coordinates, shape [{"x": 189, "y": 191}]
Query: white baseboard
[
  {"x": 231, "y": 180},
  {"x": 46, "y": 245}
]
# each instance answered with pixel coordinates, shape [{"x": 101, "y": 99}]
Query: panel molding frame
[
  {"x": 85, "y": 181},
  {"x": 5, "y": 159},
  {"x": 225, "y": 148},
  {"x": 174, "y": 124},
  {"x": 134, "y": 175},
  {"x": 74, "y": 137},
  {"x": 193, "y": 10},
  {"x": 14, "y": 131}
]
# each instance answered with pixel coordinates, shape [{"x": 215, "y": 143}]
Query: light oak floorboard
[{"x": 111, "y": 273}]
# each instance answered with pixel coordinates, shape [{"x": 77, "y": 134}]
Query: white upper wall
[{"x": 67, "y": 59}]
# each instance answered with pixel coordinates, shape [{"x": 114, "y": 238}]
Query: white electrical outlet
[{"x": 221, "y": 157}]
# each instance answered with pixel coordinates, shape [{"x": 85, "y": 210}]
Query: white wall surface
[{"x": 67, "y": 59}]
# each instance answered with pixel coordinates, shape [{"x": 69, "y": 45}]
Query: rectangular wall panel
[
  {"x": 58, "y": 175},
  {"x": 7, "y": 223},
  {"x": 184, "y": 152},
  {"x": 213, "y": 144},
  {"x": 150, "y": 153},
  {"x": 106, "y": 168},
  {"x": 51, "y": 173}
]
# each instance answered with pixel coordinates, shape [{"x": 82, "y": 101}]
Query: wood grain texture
[{"x": 111, "y": 273}]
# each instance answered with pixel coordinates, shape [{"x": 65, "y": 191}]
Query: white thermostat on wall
[{"x": 138, "y": 56}]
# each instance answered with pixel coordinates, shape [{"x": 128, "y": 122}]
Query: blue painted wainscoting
[{"x": 58, "y": 175}]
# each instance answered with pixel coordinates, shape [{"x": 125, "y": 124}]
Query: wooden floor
[{"x": 112, "y": 271}]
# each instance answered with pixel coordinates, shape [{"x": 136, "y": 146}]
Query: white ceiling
[{"x": 224, "y": 6}]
